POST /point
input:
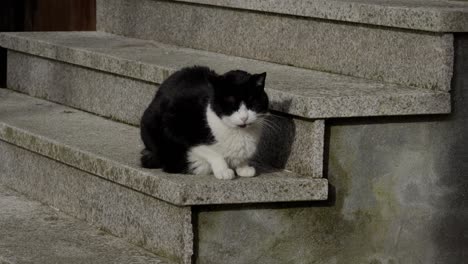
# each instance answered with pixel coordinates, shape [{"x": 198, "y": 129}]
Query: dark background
[{"x": 44, "y": 15}]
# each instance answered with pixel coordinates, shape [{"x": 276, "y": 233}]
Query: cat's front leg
[
  {"x": 218, "y": 164},
  {"x": 244, "y": 170}
]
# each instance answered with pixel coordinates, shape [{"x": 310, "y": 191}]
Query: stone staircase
[
  {"x": 34, "y": 233},
  {"x": 69, "y": 137}
]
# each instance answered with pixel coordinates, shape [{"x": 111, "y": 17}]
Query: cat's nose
[{"x": 244, "y": 118}]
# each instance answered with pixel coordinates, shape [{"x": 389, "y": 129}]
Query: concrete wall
[{"x": 400, "y": 196}]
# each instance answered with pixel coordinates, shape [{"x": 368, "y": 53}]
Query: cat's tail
[{"x": 150, "y": 160}]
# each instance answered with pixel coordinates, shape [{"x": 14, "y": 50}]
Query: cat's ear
[
  {"x": 216, "y": 80},
  {"x": 259, "y": 80}
]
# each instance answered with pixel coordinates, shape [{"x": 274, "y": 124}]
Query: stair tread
[
  {"x": 111, "y": 150},
  {"x": 430, "y": 15},
  {"x": 32, "y": 232},
  {"x": 296, "y": 91}
]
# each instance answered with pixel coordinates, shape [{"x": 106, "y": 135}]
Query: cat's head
[{"x": 240, "y": 99}]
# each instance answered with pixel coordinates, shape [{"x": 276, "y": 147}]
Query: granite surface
[
  {"x": 111, "y": 150},
  {"x": 427, "y": 15},
  {"x": 413, "y": 58},
  {"x": 113, "y": 96},
  {"x": 288, "y": 143},
  {"x": 292, "y": 90},
  {"x": 35, "y": 233},
  {"x": 160, "y": 227},
  {"x": 398, "y": 195}
]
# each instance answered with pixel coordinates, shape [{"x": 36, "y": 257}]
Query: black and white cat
[{"x": 203, "y": 123}]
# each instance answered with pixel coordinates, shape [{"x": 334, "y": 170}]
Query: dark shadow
[
  {"x": 12, "y": 18},
  {"x": 326, "y": 151},
  {"x": 276, "y": 140},
  {"x": 450, "y": 231},
  {"x": 357, "y": 121},
  {"x": 275, "y": 144},
  {"x": 196, "y": 247},
  {"x": 3, "y": 67}
]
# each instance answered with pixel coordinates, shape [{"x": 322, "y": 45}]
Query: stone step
[
  {"x": 295, "y": 91},
  {"x": 34, "y": 233},
  {"x": 427, "y": 15},
  {"x": 87, "y": 166},
  {"x": 308, "y": 34},
  {"x": 110, "y": 150}
]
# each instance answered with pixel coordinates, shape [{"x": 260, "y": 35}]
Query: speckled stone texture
[
  {"x": 34, "y": 233},
  {"x": 160, "y": 227},
  {"x": 413, "y": 58},
  {"x": 427, "y": 15},
  {"x": 288, "y": 143},
  {"x": 111, "y": 150},
  {"x": 399, "y": 196},
  {"x": 292, "y": 90},
  {"x": 117, "y": 97}
]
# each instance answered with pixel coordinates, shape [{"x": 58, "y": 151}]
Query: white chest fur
[
  {"x": 233, "y": 147},
  {"x": 235, "y": 144}
]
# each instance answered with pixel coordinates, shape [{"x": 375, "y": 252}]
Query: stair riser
[
  {"x": 383, "y": 13},
  {"x": 117, "y": 97},
  {"x": 157, "y": 226},
  {"x": 291, "y": 143},
  {"x": 292, "y": 90},
  {"x": 414, "y": 58}
]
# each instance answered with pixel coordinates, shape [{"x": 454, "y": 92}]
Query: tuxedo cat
[{"x": 200, "y": 122}]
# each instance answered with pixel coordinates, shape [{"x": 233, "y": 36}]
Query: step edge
[
  {"x": 20, "y": 138},
  {"x": 12, "y": 41},
  {"x": 418, "y": 18},
  {"x": 179, "y": 194}
]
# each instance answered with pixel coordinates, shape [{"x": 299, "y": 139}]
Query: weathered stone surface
[
  {"x": 158, "y": 226},
  {"x": 117, "y": 97},
  {"x": 296, "y": 91},
  {"x": 414, "y": 58},
  {"x": 111, "y": 150},
  {"x": 289, "y": 143},
  {"x": 398, "y": 196},
  {"x": 34, "y": 233},
  {"x": 427, "y": 15}
]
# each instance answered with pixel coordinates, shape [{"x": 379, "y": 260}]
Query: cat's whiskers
[
  {"x": 269, "y": 124},
  {"x": 263, "y": 115}
]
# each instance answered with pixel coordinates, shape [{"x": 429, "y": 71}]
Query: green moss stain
[
  {"x": 383, "y": 189},
  {"x": 8, "y": 133},
  {"x": 359, "y": 227}
]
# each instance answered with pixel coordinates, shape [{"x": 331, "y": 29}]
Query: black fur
[{"x": 175, "y": 120}]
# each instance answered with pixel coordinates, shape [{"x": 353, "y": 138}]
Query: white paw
[
  {"x": 246, "y": 171},
  {"x": 226, "y": 174}
]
